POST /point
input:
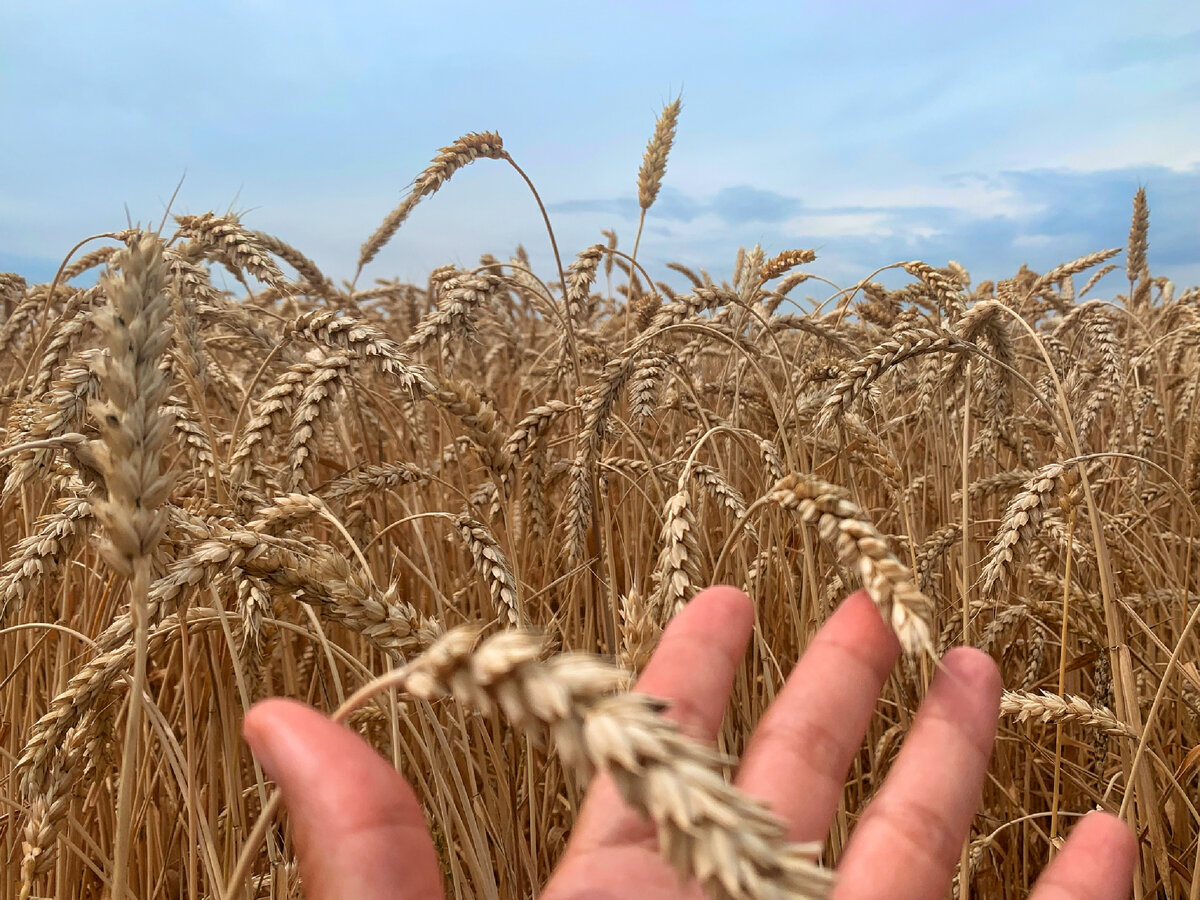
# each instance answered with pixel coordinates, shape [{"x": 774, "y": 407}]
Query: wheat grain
[{"x": 224, "y": 239}]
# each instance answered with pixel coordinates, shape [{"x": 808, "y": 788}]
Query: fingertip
[
  {"x": 727, "y": 603},
  {"x": 260, "y": 716},
  {"x": 698, "y": 656},
  {"x": 859, "y": 597},
  {"x": 358, "y": 826},
  {"x": 1108, "y": 833},
  {"x": 865, "y": 619},
  {"x": 1097, "y": 861},
  {"x": 272, "y": 721},
  {"x": 976, "y": 671}
]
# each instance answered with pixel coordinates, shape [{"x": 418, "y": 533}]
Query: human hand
[{"x": 360, "y": 832}]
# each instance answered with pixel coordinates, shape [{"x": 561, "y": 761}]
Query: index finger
[{"x": 358, "y": 827}]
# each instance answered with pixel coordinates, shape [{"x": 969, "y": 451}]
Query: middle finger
[{"x": 799, "y": 755}]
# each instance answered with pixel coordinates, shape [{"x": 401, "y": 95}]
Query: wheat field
[{"x": 227, "y": 477}]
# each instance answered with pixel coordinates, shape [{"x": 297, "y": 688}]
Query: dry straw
[{"x": 358, "y": 471}]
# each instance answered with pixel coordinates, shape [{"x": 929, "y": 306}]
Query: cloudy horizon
[{"x": 871, "y": 133}]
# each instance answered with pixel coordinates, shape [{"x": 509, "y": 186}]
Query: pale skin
[{"x": 360, "y": 832}]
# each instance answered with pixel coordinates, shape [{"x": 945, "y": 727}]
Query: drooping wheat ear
[
  {"x": 1096, "y": 276},
  {"x": 226, "y": 240},
  {"x": 253, "y": 602},
  {"x": 59, "y": 412},
  {"x": 285, "y": 511},
  {"x": 687, "y": 306},
  {"x": 323, "y": 577},
  {"x": 1047, "y": 707},
  {"x": 461, "y": 297},
  {"x": 727, "y": 496},
  {"x": 646, "y": 307},
  {"x": 654, "y": 160},
  {"x": 599, "y": 400},
  {"x": 88, "y": 261},
  {"x": 783, "y": 263},
  {"x": 449, "y": 160},
  {"x": 708, "y": 830},
  {"x": 532, "y": 428},
  {"x": 71, "y": 323},
  {"x": 860, "y": 545},
  {"x": 270, "y": 413},
  {"x": 491, "y": 564},
  {"x": 305, "y": 267},
  {"x": 50, "y": 544},
  {"x": 932, "y": 548},
  {"x": 48, "y": 808},
  {"x": 943, "y": 288},
  {"x": 23, "y": 313},
  {"x": 12, "y": 289},
  {"x": 580, "y": 275},
  {"x": 374, "y": 479},
  {"x": 193, "y": 437},
  {"x": 899, "y": 347},
  {"x": 525, "y": 440},
  {"x": 361, "y": 340},
  {"x": 191, "y": 353},
  {"x": 644, "y": 386},
  {"x": 772, "y": 460},
  {"x": 1074, "y": 267},
  {"x": 870, "y": 445},
  {"x": 461, "y": 399},
  {"x": 1021, "y": 520},
  {"x": 315, "y": 402},
  {"x": 1139, "y": 228},
  {"x": 533, "y": 519},
  {"x": 1108, "y": 388},
  {"x": 579, "y": 505}
]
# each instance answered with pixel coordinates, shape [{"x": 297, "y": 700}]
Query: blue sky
[{"x": 992, "y": 133}]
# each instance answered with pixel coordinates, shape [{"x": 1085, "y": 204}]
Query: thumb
[{"x": 358, "y": 828}]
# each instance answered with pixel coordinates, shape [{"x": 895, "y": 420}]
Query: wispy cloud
[{"x": 1040, "y": 217}]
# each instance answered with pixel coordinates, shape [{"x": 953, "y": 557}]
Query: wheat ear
[
  {"x": 1047, "y": 707},
  {"x": 654, "y": 160},
  {"x": 449, "y": 160},
  {"x": 860, "y": 545},
  {"x": 708, "y": 830},
  {"x": 133, "y": 431}
]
